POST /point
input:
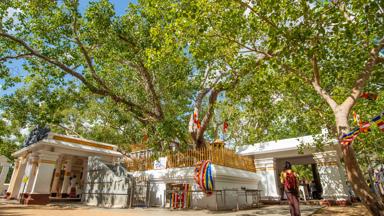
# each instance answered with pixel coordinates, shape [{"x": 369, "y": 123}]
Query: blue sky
[
  {"x": 120, "y": 5},
  {"x": 16, "y": 66}
]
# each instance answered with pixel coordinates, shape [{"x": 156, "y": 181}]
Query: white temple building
[
  {"x": 270, "y": 157},
  {"x": 44, "y": 169}
]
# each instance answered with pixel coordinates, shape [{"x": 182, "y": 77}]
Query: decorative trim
[
  {"x": 47, "y": 161},
  {"x": 81, "y": 142},
  {"x": 265, "y": 169},
  {"x": 327, "y": 164}
]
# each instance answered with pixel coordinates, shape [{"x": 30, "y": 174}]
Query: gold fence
[
  {"x": 139, "y": 164},
  {"x": 218, "y": 156}
]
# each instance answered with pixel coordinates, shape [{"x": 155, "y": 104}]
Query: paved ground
[
  {"x": 13, "y": 209},
  {"x": 355, "y": 210}
]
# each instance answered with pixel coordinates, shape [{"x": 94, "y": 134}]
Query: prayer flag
[
  {"x": 369, "y": 96},
  {"x": 196, "y": 119},
  {"x": 380, "y": 125},
  {"x": 377, "y": 118},
  {"x": 354, "y": 117},
  {"x": 364, "y": 128},
  {"x": 225, "y": 126},
  {"x": 349, "y": 139}
]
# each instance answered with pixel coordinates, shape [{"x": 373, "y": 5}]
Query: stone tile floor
[{"x": 11, "y": 208}]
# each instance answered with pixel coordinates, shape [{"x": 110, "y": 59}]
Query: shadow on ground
[{"x": 355, "y": 210}]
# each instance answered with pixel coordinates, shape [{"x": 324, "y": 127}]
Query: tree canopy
[{"x": 174, "y": 71}]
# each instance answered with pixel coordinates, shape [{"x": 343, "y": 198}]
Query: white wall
[
  {"x": 224, "y": 178},
  {"x": 106, "y": 187}
]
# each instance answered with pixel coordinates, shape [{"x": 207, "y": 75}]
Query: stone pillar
[
  {"x": 266, "y": 171},
  {"x": 16, "y": 180},
  {"x": 33, "y": 161},
  {"x": 4, "y": 172},
  {"x": 41, "y": 186},
  {"x": 13, "y": 177},
  {"x": 67, "y": 175},
  {"x": 83, "y": 180},
  {"x": 56, "y": 178},
  {"x": 332, "y": 177},
  {"x": 26, "y": 175}
]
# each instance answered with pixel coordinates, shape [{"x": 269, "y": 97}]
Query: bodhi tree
[
  {"x": 330, "y": 50},
  {"x": 219, "y": 64}
]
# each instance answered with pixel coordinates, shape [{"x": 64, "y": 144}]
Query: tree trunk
[{"x": 354, "y": 173}]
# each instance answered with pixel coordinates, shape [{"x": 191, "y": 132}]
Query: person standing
[
  {"x": 314, "y": 190},
  {"x": 289, "y": 179},
  {"x": 303, "y": 190}
]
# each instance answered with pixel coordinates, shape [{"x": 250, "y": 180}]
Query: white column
[
  {"x": 33, "y": 161},
  {"x": 4, "y": 171},
  {"x": 331, "y": 174},
  {"x": 67, "y": 175},
  {"x": 85, "y": 172},
  {"x": 13, "y": 177},
  {"x": 56, "y": 178},
  {"x": 42, "y": 181},
  {"x": 26, "y": 174},
  {"x": 14, "y": 191},
  {"x": 266, "y": 171}
]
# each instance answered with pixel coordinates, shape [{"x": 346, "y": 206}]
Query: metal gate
[{"x": 141, "y": 193}]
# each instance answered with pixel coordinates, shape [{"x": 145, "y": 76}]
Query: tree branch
[
  {"x": 135, "y": 109},
  {"x": 360, "y": 83},
  {"x": 316, "y": 84},
  {"x": 208, "y": 115},
  {"x": 151, "y": 88},
  {"x": 200, "y": 96},
  {"x": 262, "y": 17},
  {"x": 87, "y": 57},
  {"x": 146, "y": 76},
  {"x": 50, "y": 60},
  {"x": 69, "y": 130},
  {"x": 19, "y": 56}
]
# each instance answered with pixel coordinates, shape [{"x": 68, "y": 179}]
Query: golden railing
[
  {"x": 218, "y": 156},
  {"x": 139, "y": 164}
]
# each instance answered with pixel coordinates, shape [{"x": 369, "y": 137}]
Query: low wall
[
  {"x": 225, "y": 178},
  {"x": 107, "y": 185}
]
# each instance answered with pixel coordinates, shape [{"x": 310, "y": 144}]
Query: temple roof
[{"x": 74, "y": 144}]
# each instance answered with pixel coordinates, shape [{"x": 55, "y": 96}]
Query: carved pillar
[
  {"x": 67, "y": 175},
  {"x": 56, "y": 178},
  {"x": 41, "y": 187},
  {"x": 85, "y": 173},
  {"x": 13, "y": 177},
  {"x": 267, "y": 172},
  {"x": 17, "y": 180},
  {"x": 33, "y": 161},
  {"x": 332, "y": 177}
]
